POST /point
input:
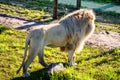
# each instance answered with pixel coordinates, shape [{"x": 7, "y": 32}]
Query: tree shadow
[
  {"x": 110, "y": 55},
  {"x": 24, "y": 23},
  {"x": 28, "y": 24}
]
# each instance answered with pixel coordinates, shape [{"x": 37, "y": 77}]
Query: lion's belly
[{"x": 56, "y": 41}]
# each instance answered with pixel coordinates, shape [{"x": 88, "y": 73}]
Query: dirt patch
[{"x": 106, "y": 39}]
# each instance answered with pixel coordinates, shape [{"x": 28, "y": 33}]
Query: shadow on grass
[
  {"x": 111, "y": 56},
  {"x": 36, "y": 75},
  {"x": 108, "y": 56},
  {"x": 43, "y": 74}
]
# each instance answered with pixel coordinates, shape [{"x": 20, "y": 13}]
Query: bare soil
[
  {"x": 105, "y": 39},
  {"x": 102, "y": 38}
]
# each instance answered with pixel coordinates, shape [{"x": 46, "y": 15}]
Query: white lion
[{"x": 69, "y": 34}]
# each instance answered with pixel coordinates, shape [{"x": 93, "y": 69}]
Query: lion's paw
[
  {"x": 26, "y": 75},
  {"x": 72, "y": 64}
]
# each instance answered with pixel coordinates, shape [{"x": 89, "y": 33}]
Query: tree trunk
[
  {"x": 55, "y": 6},
  {"x": 78, "y": 4}
]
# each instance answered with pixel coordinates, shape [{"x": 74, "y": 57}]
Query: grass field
[{"x": 93, "y": 63}]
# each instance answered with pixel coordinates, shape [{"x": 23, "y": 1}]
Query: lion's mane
[{"x": 76, "y": 25}]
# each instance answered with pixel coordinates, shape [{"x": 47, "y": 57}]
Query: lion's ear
[
  {"x": 91, "y": 17},
  {"x": 80, "y": 16}
]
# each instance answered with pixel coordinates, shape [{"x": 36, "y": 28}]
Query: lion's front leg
[{"x": 71, "y": 58}]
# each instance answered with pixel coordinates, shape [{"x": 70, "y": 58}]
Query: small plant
[
  {"x": 98, "y": 26},
  {"x": 111, "y": 28},
  {"x": 2, "y": 28}
]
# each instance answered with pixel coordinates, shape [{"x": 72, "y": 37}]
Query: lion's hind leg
[
  {"x": 33, "y": 51},
  {"x": 41, "y": 57}
]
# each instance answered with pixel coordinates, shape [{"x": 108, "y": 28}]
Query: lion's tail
[{"x": 25, "y": 52}]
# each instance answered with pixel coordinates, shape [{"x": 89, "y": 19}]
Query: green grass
[
  {"x": 34, "y": 10},
  {"x": 114, "y": 29},
  {"x": 108, "y": 27},
  {"x": 93, "y": 63}
]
